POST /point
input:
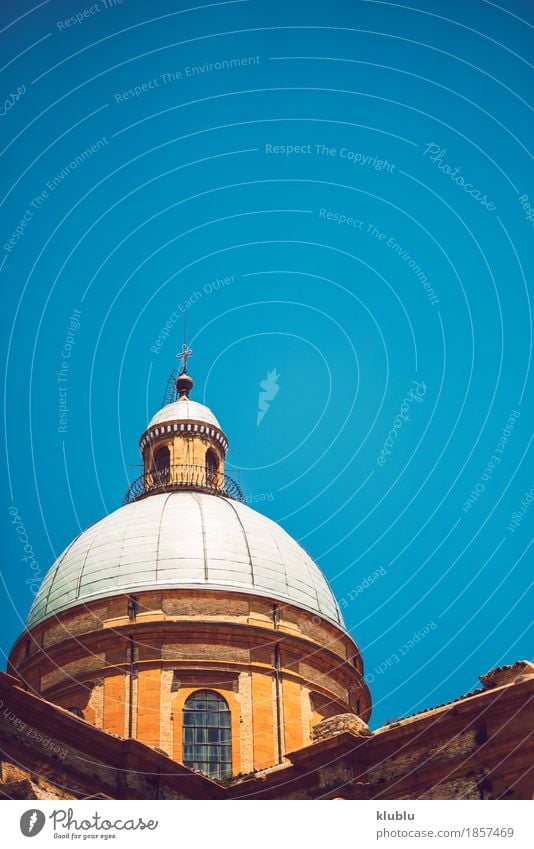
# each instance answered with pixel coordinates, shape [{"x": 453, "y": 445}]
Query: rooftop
[
  {"x": 181, "y": 540},
  {"x": 184, "y": 410}
]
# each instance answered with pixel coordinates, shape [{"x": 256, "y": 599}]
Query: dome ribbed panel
[
  {"x": 184, "y": 410},
  {"x": 184, "y": 540}
]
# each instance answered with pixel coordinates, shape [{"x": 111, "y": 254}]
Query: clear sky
[{"x": 337, "y": 192}]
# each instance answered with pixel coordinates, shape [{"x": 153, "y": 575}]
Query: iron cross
[{"x": 184, "y": 355}]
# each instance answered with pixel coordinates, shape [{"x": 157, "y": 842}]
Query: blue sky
[{"x": 336, "y": 191}]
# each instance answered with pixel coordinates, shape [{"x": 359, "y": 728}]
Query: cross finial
[{"x": 184, "y": 355}]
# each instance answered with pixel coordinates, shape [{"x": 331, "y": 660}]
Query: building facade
[{"x": 186, "y": 646}]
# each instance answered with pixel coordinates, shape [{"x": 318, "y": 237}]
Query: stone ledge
[
  {"x": 340, "y": 724},
  {"x": 23, "y": 789},
  {"x": 502, "y": 675}
]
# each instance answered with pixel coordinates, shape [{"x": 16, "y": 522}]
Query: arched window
[
  {"x": 162, "y": 462},
  {"x": 211, "y": 467},
  {"x": 207, "y": 736}
]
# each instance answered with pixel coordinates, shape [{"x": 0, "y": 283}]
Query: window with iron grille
[
  {"x": 207, "y": 736},
  {"x": 161, "y": 467},
  {"x": 211, "y": 466}
]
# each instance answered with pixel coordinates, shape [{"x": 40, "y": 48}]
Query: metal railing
[{"x": 178, "y": 477}]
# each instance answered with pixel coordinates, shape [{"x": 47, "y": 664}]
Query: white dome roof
[
  {"x": 184, "y": 540},
  {"x": 183, "y": 410}
]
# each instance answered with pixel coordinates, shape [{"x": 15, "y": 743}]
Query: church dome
[
  {"x": 184, "y": 410},
  {"x": 183, "y": 540},
  {"x": 186, "y": 618}
]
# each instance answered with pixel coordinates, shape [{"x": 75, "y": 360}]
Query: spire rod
[{"x": 184, "y": 383}]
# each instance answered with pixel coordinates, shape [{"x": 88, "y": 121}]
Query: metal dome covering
[
  {"x": 184, "y": 410},
  {"x": 184, "y": 540}
]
